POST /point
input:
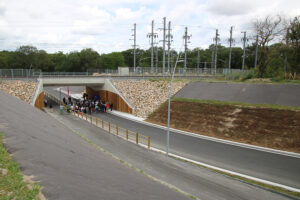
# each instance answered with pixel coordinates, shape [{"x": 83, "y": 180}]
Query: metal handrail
[{"x": 110, "y": 127}]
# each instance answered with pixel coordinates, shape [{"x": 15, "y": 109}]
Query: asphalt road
[
  {"x": 260, "y": 164},
  {"x": 65, "y": 165},
  {"x": 197, "y": 181},
  {"x": 279, "y": 94}
]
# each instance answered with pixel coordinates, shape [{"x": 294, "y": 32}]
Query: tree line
[{"x": 278, "y": 43}]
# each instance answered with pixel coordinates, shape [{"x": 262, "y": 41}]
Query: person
[
  {"x": 64, "y": 100},
  {"x": 107, "y": 106},
  {"x": 45, "y": 102},
  {"x": 50, "y": 106},
  {"x": 111, "y": 106}
]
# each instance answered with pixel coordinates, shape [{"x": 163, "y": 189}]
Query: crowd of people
[{"x": 87, "y": 105}]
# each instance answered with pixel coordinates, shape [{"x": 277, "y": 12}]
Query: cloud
[
  {"x": 2, "y": 8},
  {"x": 230, "y": 7},
  {"x": 106, "y": 25}
]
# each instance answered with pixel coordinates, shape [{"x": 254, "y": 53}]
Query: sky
[{"x": 106, "y": 25}]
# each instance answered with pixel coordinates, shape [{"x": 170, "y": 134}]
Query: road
[
  {"x": 68, "y": 167},
  {"x": 272, "y": 167},
  {"x": 279, "y": 94}
]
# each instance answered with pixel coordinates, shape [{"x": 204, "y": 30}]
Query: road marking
[{"x": 228, "y": 171}]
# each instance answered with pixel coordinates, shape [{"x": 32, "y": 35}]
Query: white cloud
[{"x": 106, "y": 25}]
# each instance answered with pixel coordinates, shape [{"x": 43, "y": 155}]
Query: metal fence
[
  {"x": 19, "y": 73},
  {"x": 107, "y": 126},
  {"x": 139, "y": 72}
]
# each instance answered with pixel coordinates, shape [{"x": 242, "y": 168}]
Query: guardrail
[{"x": 126, "y": 134}]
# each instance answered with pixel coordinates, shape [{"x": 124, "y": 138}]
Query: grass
[
  {"x": 271, "y": 106},
  {"x": 11, "y": 179},
  {"x": 248, "y": 181}
]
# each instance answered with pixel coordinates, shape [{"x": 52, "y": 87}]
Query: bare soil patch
[{"x": 273, "y": 128}]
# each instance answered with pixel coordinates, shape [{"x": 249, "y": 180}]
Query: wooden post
[
  {"x": 149, "y": 142},
  {"x": 96, "y": 121},
  {"x": 117, "y": 130},
  {"x": 126, "y": 134},
  {"x": 137, "y": 138},
  {"x": 109, "y": 127}
]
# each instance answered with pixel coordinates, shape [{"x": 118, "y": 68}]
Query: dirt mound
[{"x": 273, "y": 128}]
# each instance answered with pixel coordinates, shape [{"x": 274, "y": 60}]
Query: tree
[
  {"x": 72, "y": 63},
  {"x": 268, "y": 30},
  {"x": 58, "y": 60},
  {"x": 43, "y": 61},
  {"x": 112, "y": 60},
  {"x": 89, "y": 59},
  {"x": 293, "y": 43}
]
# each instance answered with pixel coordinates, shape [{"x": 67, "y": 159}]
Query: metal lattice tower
[
  {"x": 164, "y": 46},
  {"x": 170, "y": 39},
  {"x": 244, "y": 39},
  {"x": 216, "y": 50},
  {"x": 152, "y": 36},
  {"x": 186, "y": 39},
  {"x": 230, "y": 40},
  {"x": 134, "y": 46}
]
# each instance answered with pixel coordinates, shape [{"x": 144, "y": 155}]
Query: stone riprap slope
[
  {"x": 22, "y": 89},
  {"x": 145, "y": 96}
]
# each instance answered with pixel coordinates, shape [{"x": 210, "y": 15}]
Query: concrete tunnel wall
[
  {"x": 38, "y": 98},
  {"x": 95, "y": 85}
]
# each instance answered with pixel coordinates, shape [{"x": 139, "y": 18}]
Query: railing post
[
  {"x": 137, "y": 138},
  {"x": 149, "y": 142},
  {"x": 126, "y": 134},
  {"x": 102, "y": 124},
  {"x": 109, "y": 127},
  {"x": 117, "y": 130},
  {"x": 96, "y": 121}
]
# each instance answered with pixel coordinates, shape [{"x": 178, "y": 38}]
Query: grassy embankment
[
  {"x": 215, "y": 102},
  {"x": 12, "y": 184}
]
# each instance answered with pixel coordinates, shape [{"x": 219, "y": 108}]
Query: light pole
[{"x": 169, "y": 103}]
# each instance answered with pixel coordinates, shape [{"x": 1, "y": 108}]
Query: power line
[
  {"x": 244, "y": 39},
  {"x": 164, "y": 45},
  {"x": 186, "y": 38},
  {"x": 170, "y": 37},
  {"x": 134, "y": 46},
  {"x": 230, "y": 49},
  {"x": 216, "y": 49},
  {"x": 152, "y": 35}
]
